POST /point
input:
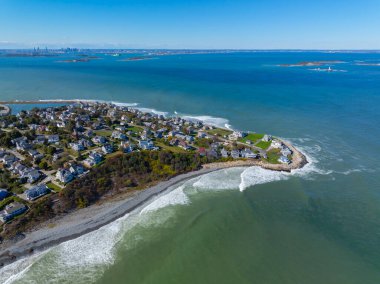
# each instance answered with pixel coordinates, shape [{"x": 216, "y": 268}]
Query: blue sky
[{"x": 238, "y": 24}]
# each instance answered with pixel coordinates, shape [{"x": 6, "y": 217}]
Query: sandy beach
[
  {"x": 79, "y": 222},
  {"x": 85, "y": 220}
]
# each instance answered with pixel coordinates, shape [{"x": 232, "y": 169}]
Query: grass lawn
[
  {"x": 106, "y": 133},
  {"x": 53, "y": 187},
  {"x": 8, "y": 200},
  {"x": 219, "y": 131},
  {"x": 136, "y": 129},
  {"x": 263, "y": 145},
  {"x": 273, "y": 156},
  {"x": 254, "y": 137},
  {"x": 173, "y": 149}
]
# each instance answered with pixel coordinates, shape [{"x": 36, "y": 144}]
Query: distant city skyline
[{"x": 208, "y": 24}]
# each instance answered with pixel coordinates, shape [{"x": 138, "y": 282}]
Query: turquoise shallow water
[{"x": 318, "y": 225}]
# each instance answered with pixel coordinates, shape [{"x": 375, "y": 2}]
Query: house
[
  {"x": 33, "y": 176},
  {"x": 284, "y": 160},
  {"x": 174, "y": 142},
  {"x": 224, "y": 153},
  {"x": 19, "y": 169},
  {"x": 158, "y": 134},
  {"x": 64, "y": 175},
  {"x": 89, "y": 133},
  {"x": 3, "y": 193},
  {"x": 146, "y": 144},
  {"x": 57, "y": 156},
  {"x": 235, "y": 154},
  {"x": 99, "y": 140},
  {"x": 212, "y": 153},
  {"x": 76, "y": 169},
  {"x": 40, "y": 139},
  {"x": 12, "y": 210},
  {"x": 247, "y": 153},
  {"x": 107, "y": 149},
  {"x": 189, "y": 138},
  {"x": 52, "y": 138},
  {"x": 61, "y": 124},
  {"x": 36, "y": 192},
  {"x": 267, "y": 138},
  {"x": 184, "y": 145},
  {"x": 126, "y": 147},
  {"x": 35, "y": 154},
  {"x": 23, "y": 146},
  {"x": 93, "y": 159},
  {"x": 285, "y": 151},
  {"x": 19, "y": 139},
  {"x": 86, "y": 143},
  {"x": 119, "y": 135},
  {"x": 237, "y": 135},
  {"x": 120, "y": 128},
  {"x": 201, "y": 134},
  {"x": 276, "y": 144},
  {"x": 202, "y": 151},
  {"x": 77, "y": 147}
]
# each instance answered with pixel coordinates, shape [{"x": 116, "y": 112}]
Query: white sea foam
[
  {"x": 209, "y": 120},
  {"x": 84, "y": 259},
  {"x": 255, "y": 175},
  {"x": 174, "y": 197},
  {"x": 151, "y": 110},
  {"x": 219, "y": 180},
  {"x": 17, "y": 269}
]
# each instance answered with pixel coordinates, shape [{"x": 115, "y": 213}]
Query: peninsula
[{"x": 68, "y": 170}]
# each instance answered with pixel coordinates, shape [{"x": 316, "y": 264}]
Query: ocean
[{"x": 320, "y": 224}]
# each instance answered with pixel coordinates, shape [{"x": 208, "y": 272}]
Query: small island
[
  {"x": 56, "y": 161},
  {"x": 138, "y": 58},
  {"x": 312, "y": 63}
]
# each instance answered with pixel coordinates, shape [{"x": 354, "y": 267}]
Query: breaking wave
[
  {"x": 151, "y": 110},
  {"x": 210, "y": 120},
  {"x": 85, "y": 259}
]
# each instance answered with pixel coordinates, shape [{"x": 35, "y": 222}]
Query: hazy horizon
[{"x": 209, "y": 24}]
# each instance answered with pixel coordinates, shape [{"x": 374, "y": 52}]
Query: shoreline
[
  {"x": 86, "y": 220},
  {"x": 71, "y": 226}
]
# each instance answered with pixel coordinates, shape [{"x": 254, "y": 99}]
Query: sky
[{"x": 191, "y": 24}]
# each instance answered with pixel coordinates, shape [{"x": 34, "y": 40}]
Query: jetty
[{"x": 4, "y": 110}]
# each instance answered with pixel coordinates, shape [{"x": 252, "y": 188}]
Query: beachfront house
[
  {"x": 12, "y": 210},
  {"x": 235, "y": 154},
  {"x": 248, "y": 154},
  {"x": 285, "y": 151},
  {"x": 76, "y": 169},
  {"x": 146, "y": 144},
  {"x": 36, "y": 192},
  {"x": 267, "y": 138},
  {"x": 284, "y": 160},
  {"x": 64, "y": 175},
  {"x": 93, "y": 159},
  {"x": 107, "y": 149},
  {"x": 276, "y": 144},
  {"x": 224, "y": 153}
]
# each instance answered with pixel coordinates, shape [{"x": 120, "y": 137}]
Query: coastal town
[{"x": 43, "y": 150}]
